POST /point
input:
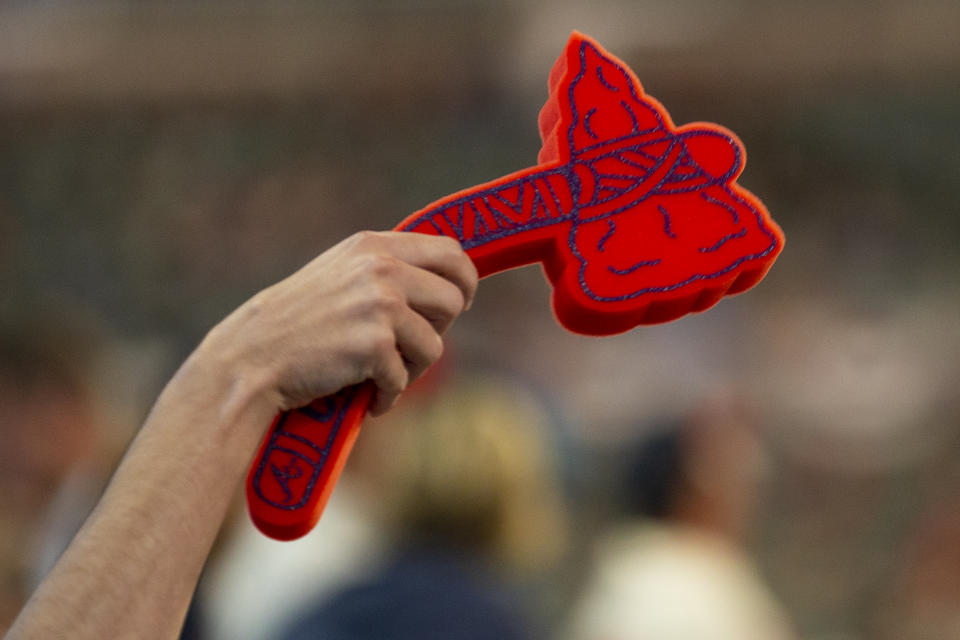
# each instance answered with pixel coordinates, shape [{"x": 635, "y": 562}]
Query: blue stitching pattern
[
  {"x": 329, "y": 410},
  {"x": 633, "y": 116},
  {"x": 722, "y": 241},
  {"x": 634, "y": 267},
  {"x": 666, "y": 221},
  {"x": 586, "y": 124},
  {"x": 291, "y": 471},
  {"x": 611, "y": 228},
  {"x": 603, "y": 80},
  {"x": 733, "y": 212},
  {"x": 682, "y": 176},
  {"x": 323, "y": 452}
]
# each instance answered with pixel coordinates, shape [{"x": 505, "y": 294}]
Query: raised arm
[{"x": 371, "y": 308}]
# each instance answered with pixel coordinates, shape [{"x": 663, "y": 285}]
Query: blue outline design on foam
[
  {"x": 611, "y": 229},
  {"x": 683, "y": 176},
  {"x": 724, "y": 240},
  {"x": 603, "y": 80},
  {"x": 633, "y": 267},
  {"x": 586, "y": 124},
  {"x": 323, "y": 452},
  {"x": 720, "y": 203},
  {"x": 666, "y": 222},
  {"x": 283, "y": 477}
]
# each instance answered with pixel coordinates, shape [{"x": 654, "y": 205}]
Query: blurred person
[
  {"x": 467, "y": 485},
  {"x": 253, "y": 585},
  {"x": 373, "y": 307},
  {"x": 924, "y": 597},
  {"x": 56, "y": 452},
  {"x": 674, "y": 568},
  {"x": 48, "y": 441}
]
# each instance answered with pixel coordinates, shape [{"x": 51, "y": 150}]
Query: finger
[
  {"x": 390, "y": 376},
  {"x": 435, "y": 298},
  {"x": 439, "y": 254},
  {"x": 419, "y": 343}
]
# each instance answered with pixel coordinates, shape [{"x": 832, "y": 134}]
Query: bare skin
[{"x": 371, "y": 308}]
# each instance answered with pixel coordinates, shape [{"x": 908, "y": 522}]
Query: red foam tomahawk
[{"x": 635, "y": 220}]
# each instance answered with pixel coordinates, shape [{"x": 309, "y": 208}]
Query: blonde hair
[{"x": 471, "y": 465}]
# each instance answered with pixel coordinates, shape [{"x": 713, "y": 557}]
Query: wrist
[
  {"x": 206, "y": 425},
  {"x": 234, "y": 389}
]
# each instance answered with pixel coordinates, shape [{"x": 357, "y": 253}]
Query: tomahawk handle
[
  {"x": 300, "y": 459},
  {"x": 304, "y": 451}
]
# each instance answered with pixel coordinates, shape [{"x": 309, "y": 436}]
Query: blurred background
[{"x": 784, "y": 465}]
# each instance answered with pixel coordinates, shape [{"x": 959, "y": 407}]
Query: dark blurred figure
[
  {"x": 924, "y": 598},
  {"x": 47, "y": 434},
  {"x": 471, "y": 493},
  {"x": 674, "y": 567},
  {"x": 56, "y": 454}
]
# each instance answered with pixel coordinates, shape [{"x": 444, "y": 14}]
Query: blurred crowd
[{"x": 783, "y": 466}]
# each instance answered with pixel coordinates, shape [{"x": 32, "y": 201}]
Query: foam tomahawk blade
[{"x": 635, "y": 220}]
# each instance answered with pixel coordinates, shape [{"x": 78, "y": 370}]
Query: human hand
[{"x": 373, "y": 307}]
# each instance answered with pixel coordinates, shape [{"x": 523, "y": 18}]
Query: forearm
[
  {"x": 132, "y": 569},
  {"x": 371, "y": 308}
]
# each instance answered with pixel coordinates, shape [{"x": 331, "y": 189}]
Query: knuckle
[
  {"x": 386, "y": 301},
  {"x": 377, "y": 307},
  {"x": 256, "y": 305},
  {"x": 380, "y": 341},
  {"x": 473, "y": 276},
  {"x": 452, "y": 245},
  {"x": 364, "y": 239},
  {"x": 434, "y": 350},
  {"x": 450, "y": 302},
  {"x": 403, "y": 378},
  {"x": 451, "y": 250},
  {"x": 378, "y": 265},
  {"x": 455, "y": 300},
  {"x": 384, "y": 265},
  {"x": 395, "y": 384},
  {"x": 395, "y": 380},
  {"x": 373, "y": 341},
  {"x": 383, "y": 345}
]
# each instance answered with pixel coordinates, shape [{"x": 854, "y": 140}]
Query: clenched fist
[{"x": 372, "y": 307}]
